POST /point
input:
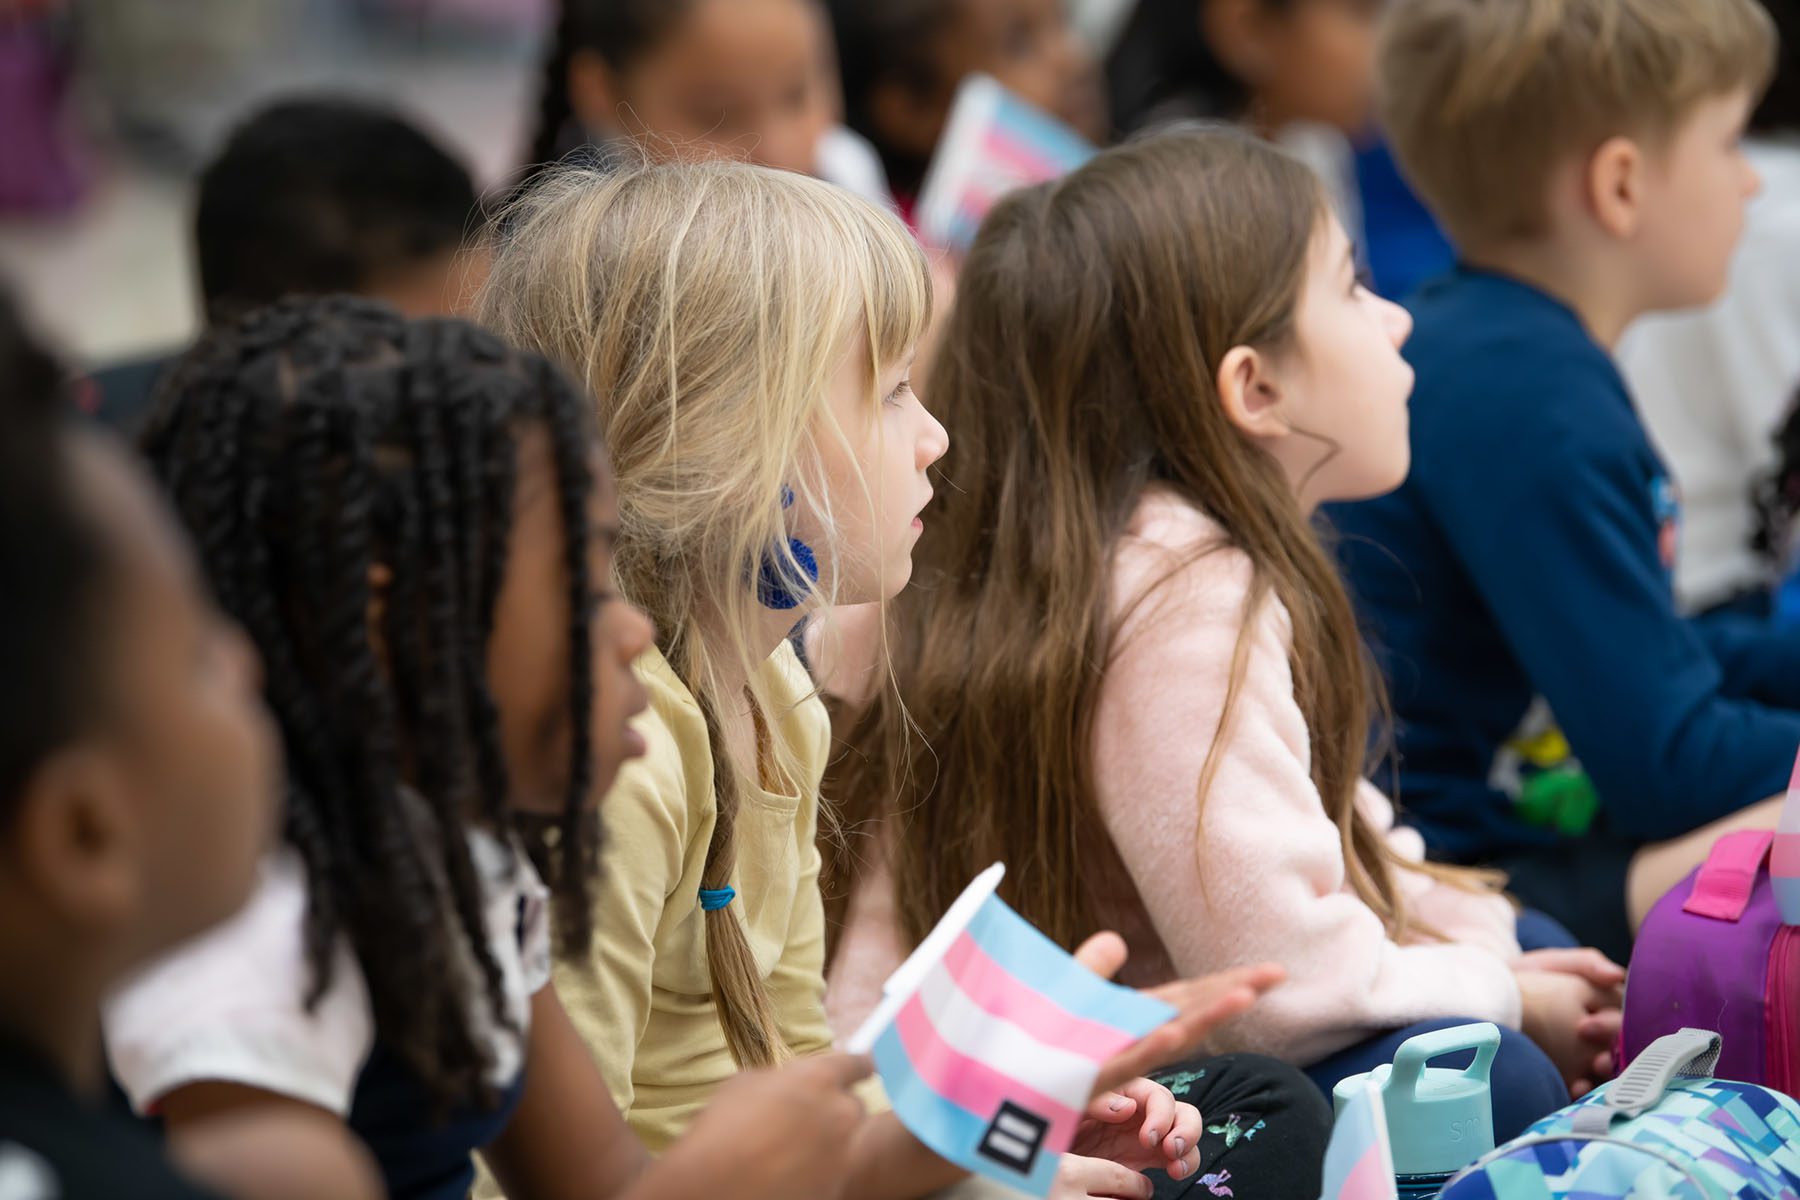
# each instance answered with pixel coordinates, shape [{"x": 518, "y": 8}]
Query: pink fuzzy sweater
[{"x": 1257, "y": 872}]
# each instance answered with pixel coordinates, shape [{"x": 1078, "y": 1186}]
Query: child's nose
[
  {"x": 1398, "y": 321},
  {"x": 934, "y": 443},
  {"x": 638, "y": 635}
]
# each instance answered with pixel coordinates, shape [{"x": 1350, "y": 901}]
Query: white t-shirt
[
  {"x": 229, "y": 1005},
  {"x": 846, "y": 158},
  {"x": 1713, "y": 386}
]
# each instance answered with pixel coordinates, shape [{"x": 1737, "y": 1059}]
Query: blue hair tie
[{"x": 716, "y": 898}]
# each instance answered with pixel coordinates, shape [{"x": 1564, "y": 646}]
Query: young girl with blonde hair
[
  {"x": 746, "y": 334},
  {"x": 1128, "y": 652}
]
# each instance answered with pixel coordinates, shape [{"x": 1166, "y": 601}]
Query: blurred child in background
[
  {"x": 902, "y": 61},
  {"x": 138, "y": 788},
  {"x": 315, "y": 195},
  {"x": 1301, "y": 72},
  {"x": 1713, "y": 386},
  {"x": 747, "y": 79}
]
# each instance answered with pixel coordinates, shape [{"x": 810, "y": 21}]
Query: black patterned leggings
[{"x": 1266, "y": 1128}]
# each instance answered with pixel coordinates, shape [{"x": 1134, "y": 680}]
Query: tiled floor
[{"x": 114, "y": 279}]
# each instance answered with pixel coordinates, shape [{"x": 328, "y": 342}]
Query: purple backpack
[{"x": 1716, "y": 953}]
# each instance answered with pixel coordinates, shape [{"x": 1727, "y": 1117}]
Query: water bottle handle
[{"x": 1415, "y": 1052}]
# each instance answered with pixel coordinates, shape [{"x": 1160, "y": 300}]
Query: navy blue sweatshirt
[{"x": 1528, "y": 557}]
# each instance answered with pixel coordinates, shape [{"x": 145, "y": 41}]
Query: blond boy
[{"x": 1556, "y": 716}]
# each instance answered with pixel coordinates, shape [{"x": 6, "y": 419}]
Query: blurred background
[{"x": 108, "y": 108}]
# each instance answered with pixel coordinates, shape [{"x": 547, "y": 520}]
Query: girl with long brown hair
[{"x": 1127, "y": 665}]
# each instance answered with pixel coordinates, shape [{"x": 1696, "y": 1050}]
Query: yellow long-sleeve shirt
[{"x": 643, "y": 1000}]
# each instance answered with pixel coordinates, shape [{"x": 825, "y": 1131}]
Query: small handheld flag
[
  {"x": 993, "y": 143},
  {"x": 1359, "y": 1162},
  {"x": 1784, "y": 861},
  {"x": 989, "y": 1039}
]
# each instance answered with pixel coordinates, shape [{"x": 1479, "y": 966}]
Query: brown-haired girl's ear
[
  {"x": 1250, "y": 395},
  {"x": 595, "y": 96}
]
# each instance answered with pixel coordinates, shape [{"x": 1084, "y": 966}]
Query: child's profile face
[
  {"x": 191, "y": 750},
  {"x": 891, "y": 444},
  {"x": 528, "y": 652},
  {"x": 748, "y": 79},
  {"x": 1692, "y": 206},
  {"x": 1306, "y": 60},
  {"x": 1030, "y": 46},
  {"x": 1343, "y": 386}
]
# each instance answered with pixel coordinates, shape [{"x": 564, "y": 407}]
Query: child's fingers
[
  {"x": 1112, "y": 1108},
  {"x": 1201, "y": 1005},
  {"x": 1101, "y": 1177},
  {"x": 1175, "y": 1040},
  {"x": 1157, "y": 1104},
  {"x": 841, "y": 1070},
  {"x": 1601, "y": 1028},
  {"x": 1585, "y": 962},
  {"x": 1103, "y": 954},
  {"x": 1184, "y": 1133}
]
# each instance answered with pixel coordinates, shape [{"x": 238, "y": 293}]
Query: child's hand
[
  {"x": 1142, "y": 1125},
  {"x": 1201, "y": 1006},
  {"x": 1573, "y": 1021},
  {"x": 1080, "y": 1178},
  {"x": 1586, "y": 963},
  {"x": 783, "y": 1131}
]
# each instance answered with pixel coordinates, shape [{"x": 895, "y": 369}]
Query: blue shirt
[{"x": 1517, "y": 590}]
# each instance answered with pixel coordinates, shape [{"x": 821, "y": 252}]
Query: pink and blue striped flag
[
  {"x": 1784, "y": 860},
  {"x": 993, "y": 143},
  {"x": 1359, "y": 1163},
  {"x": 989, "y": 1040}
]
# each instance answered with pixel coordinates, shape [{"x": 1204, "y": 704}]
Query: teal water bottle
[{"x": 1439, "y": 1121}]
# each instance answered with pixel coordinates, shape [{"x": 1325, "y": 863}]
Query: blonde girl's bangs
[{"x": 899, "y": 291}]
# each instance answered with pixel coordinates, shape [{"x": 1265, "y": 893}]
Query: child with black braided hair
[{"x": 414, "y": 523}]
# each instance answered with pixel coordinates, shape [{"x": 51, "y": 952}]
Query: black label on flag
[{"x": 1014, "y": 1139}]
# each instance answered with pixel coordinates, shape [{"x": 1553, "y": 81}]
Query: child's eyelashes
[{"x": 900, "y": 392}]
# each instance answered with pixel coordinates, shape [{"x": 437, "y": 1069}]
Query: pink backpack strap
[{"x": 1723, "y": 885}]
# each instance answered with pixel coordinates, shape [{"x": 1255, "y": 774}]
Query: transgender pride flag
[
  {"x": 989, "y": 1040},
  {"x": 1784, "y": 861},
  {"x": 1359, "y": 1164},
  {"x": 993, "y": 143}
]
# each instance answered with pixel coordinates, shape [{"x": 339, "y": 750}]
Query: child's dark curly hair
[{"x": 302, "y": 446}]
